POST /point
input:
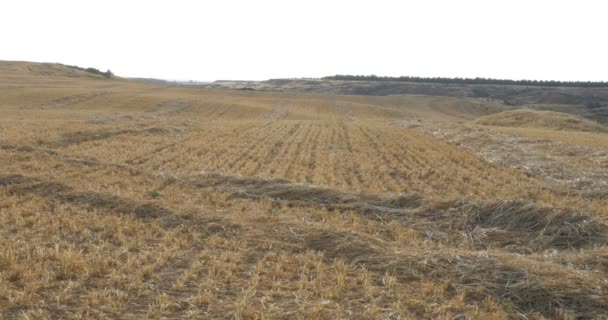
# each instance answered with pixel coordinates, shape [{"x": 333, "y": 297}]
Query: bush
[{"x": 107, "y": 74}]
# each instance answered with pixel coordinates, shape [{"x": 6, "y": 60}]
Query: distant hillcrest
[{"x": 24, "y": 68}]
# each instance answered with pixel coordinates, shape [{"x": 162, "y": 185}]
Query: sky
[{"x": 257, "y": 40}]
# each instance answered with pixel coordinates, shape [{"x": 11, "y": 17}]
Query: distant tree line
[
  {"x": 107, "y": 74},
  {"x": 542, "y": 83}
]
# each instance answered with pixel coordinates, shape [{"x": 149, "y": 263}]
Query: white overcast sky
[{"x": 230, "y": 39}]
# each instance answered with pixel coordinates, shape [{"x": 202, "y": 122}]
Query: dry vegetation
[
  {"x": 528, "y": 118},
  {"x": 126, "y": 200}
]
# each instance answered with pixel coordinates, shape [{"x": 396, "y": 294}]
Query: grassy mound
[{"x": 525, "y": 118}]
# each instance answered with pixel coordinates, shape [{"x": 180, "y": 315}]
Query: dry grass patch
[{"x": 528, "y": 118}]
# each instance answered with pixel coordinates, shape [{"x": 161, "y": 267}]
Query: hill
[
  {"x": 22, "y": 69},
  {"x": 591, "y": 103},
  {"x": 528, "y": 83}
]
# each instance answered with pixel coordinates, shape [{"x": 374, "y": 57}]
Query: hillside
[
  {"x": 526, "y": 118},
  {"x": 475, "y": 81},
  {"x": 53, "y": 70},
  {"x": 129, "y": 200},
  {"x": 591, "y": 103}
]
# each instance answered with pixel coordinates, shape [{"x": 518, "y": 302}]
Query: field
[{"x": 129, "y": 200}]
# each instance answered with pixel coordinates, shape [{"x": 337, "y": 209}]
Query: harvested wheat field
[{"x": 127, "y": 200}]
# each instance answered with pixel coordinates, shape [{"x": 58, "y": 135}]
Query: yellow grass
[
  {"x": 126, "y": 200},
  {"x": 528, "y": 118},
  {"x": 590, "y": 139}
]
